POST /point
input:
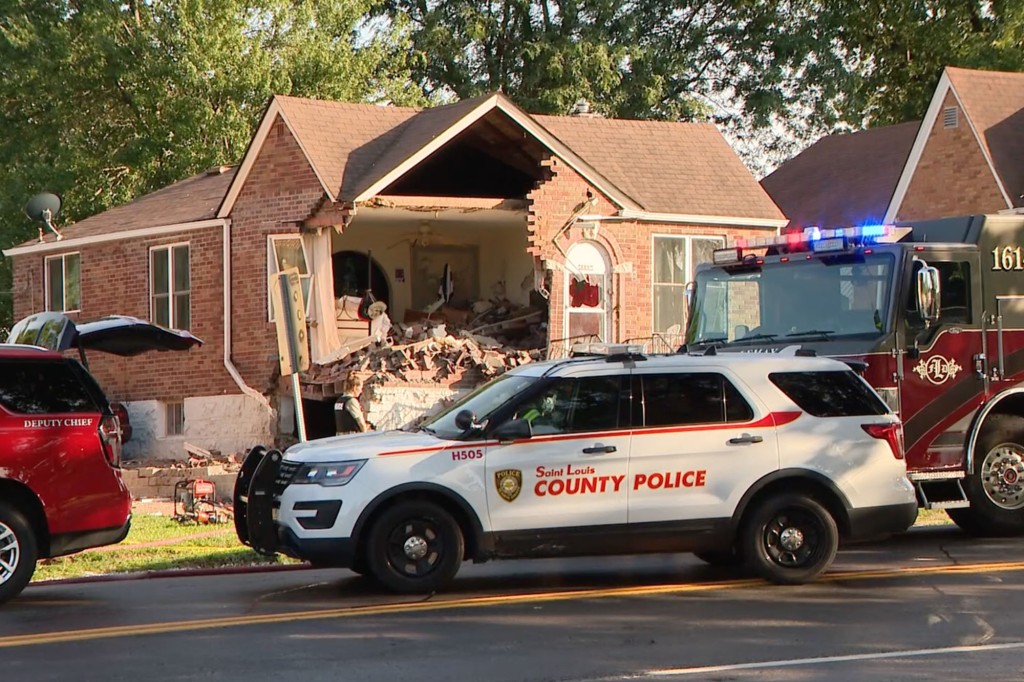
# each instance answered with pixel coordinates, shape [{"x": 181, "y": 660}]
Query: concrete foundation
[{"x": 227, "y": 424}]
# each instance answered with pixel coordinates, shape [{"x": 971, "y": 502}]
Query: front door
[
  {"x": 572, "y": 472},
  {"x": 703, "y": 443}
]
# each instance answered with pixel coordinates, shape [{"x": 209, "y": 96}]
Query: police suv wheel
[
  {"x": 996, "y": 488},
  {"x": 789, "y": 539},
  {"x": 414, "y": 547},
  {"x": 18, "y": 552}
]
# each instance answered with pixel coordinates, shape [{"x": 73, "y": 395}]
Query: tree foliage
[{"x": 102, "y": 101}]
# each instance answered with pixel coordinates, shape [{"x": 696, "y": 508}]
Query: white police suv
[{"x": 766, "y": 459}]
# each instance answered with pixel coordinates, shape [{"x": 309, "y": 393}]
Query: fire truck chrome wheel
[
  {"x": 414, "y": 547},
  {"x": 1002, "y": 476},
  {"x": 789, "y": 539},
  {"x": 17, "y": 552}
]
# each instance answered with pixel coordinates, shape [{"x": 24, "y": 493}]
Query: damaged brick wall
[{"x": 628, "y": 244}]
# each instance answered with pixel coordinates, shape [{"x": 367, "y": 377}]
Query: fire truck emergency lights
[{"x": 810, "y": 238}]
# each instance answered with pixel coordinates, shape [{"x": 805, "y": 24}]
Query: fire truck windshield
[{"x": 817, "y": 298}]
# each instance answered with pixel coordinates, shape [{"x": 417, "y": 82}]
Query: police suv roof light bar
[
  {"x": 609, "y": 351},
  {"x": 812, "y": 239}
]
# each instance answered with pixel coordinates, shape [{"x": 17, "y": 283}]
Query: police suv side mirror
[
  {"x": 465, "y": 420},
  {"x": 691, "y": 296},
  {"x": 512, "y": 430},
  {"x": 929, "y": 294}
]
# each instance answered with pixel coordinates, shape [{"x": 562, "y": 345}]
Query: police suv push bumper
[{"x": 262, "y": 479}]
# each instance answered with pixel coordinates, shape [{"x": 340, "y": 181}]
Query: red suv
[{"x": 60, "y": 442}]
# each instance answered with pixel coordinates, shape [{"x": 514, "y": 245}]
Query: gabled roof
[
  {"x": 676, "y": 168},
  {"x": 992, "y": 103},
  {"x": 192, "y": 200},
  {"x": 358, "y": 150},
  {"x": 843, "y": 179}
]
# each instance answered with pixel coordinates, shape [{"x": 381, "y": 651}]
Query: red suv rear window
[{"x": 45, "y": 387}]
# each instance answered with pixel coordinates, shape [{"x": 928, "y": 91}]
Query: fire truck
[{"x": 931, "y": 312}]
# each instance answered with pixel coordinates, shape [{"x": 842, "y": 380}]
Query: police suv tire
[
  {"x": 998, "y": 453},
  {"x": 789, "y": 539},
  {"x": 17, "y": 549},
  {"x": 414, "y": 547}
]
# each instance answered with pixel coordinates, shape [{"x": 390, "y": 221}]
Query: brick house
[
  {"x": 963, "y": 158},
  {"x": 360, "y": 196}
]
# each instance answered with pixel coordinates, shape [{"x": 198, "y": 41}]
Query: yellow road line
[{"x": 471, "y": 602}]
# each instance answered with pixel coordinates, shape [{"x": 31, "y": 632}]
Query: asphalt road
[{"x": 931, "y": 605}]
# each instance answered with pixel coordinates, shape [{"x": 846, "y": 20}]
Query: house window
[
  {"x": 170, "y": 286},
  {"x": 64, "y": 283},
  {"x": 284, "y": 252},
  {"x": 949, "y": 117},
  {"x": 174, "y": 419},
  {"x": 675, "y": 259}
]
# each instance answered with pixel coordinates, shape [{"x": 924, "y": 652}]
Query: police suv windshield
[
  {"x": 483, "y": 402},
  {"x": 800, "y": 299}
]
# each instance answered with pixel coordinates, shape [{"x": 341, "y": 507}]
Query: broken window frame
[
  {"x": 273, "y": 267},
  {"x": 66, "y": 291},
  {"x": 659, "y": 326},
  {"x": 176, "y": 293}
]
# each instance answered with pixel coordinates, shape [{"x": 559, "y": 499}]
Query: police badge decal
[{"x": 508, "y": 482}]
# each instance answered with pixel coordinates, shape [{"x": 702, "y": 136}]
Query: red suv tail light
[
  {"x": 110, "y": 436},
  {"x": 890, "y": 433}
]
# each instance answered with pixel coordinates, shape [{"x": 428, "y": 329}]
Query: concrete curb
[{"x": 172, "y": 573}]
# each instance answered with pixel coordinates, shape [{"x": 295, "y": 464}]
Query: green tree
[{"x": 102, "y": 101}]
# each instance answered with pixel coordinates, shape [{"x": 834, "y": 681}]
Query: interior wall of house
[{"x": 413, "y": 258}]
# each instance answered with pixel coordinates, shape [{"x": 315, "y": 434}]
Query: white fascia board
[
  {"x": 428, "y": 149},
  {"x": 529, "y": 125},
  {"x": 921, "y": 141},
  {"x": 251, "y": 154},
  {"x": 725, "y": 221},
  {"x": 923, "y": 133},
  {"x": 140, "y": 233}
]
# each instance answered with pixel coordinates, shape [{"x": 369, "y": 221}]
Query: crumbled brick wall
[
  {"x": 952, "y": 176},
  {"x": 626, "y": 242}
]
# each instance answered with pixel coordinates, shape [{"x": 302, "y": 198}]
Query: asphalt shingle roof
[
  {"x": 666, "y": 167},
  {"x": 843, "y": 180}
]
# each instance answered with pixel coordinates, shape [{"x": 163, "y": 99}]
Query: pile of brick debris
[{"x": 485, "y": 341}]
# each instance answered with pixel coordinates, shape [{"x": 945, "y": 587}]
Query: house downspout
[{"x": 228, "y": 364}]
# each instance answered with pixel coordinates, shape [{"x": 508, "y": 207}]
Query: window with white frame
[
  {"x": 287, "y": 251},
  {"x": 174, "y": 419},
  {"x": 588, "y": 295},
  {"x": 170, "y": 286},
  {"x": 675, "y": 258},
  {"x": 64, "y": 282}
]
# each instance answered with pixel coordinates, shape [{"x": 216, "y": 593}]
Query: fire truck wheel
[
  {"x": 414, "y": 547},
  {"x": 789, "y": 539},
  {"x": 18, "y": 552},
  {"x": 722, "y": 559},
  {"x": 996, "y": 488}
]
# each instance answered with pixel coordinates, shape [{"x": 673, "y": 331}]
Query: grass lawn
[{"x": 158, "y": 543}]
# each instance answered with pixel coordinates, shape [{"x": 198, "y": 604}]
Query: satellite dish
[{"x": 43, "y": 208}]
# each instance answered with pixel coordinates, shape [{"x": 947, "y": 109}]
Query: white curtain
[{"x": 323, "y": 329}]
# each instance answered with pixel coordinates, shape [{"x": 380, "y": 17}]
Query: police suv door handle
[
  {"x": 598, "y": 449},
  {"x": 745, "y": 438}
]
